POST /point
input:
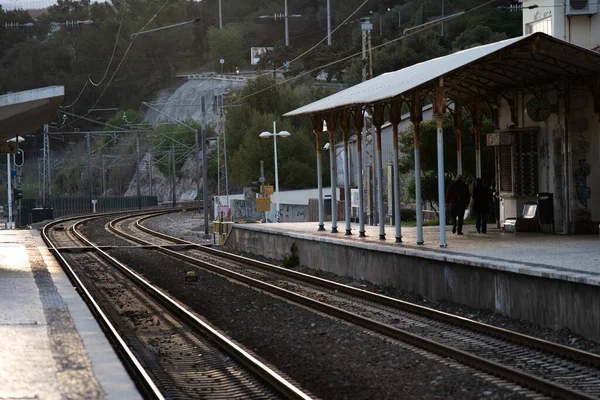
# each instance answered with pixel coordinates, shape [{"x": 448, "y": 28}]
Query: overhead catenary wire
[
  {"x": 321, "y": 41},
  {"x": 114, "y": 49},
  {"x": 360, "y": 53},
  {"x": 119, "y": 65}
]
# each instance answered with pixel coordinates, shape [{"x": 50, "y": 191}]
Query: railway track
[
  {"x": 170, "y": 352},
  {"x": 545, "y": 367}
]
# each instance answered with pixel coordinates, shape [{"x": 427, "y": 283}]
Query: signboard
[
  {"x": 268, "y": 189},
  {"x": 223, "y": 211},
  {"x": 499, "y": 139},
  {"x": 257, "y": 52},
  {"x": 9, "y": 148},
  {"x": 263, "y": 204},
  {"x": 354, "y": 198}
]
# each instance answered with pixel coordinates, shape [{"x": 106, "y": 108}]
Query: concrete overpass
[{"x": 23, "y": 112}]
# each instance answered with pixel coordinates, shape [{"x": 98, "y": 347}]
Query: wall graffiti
[
  {"x": 581, "y": 145},
  {"x": 293, "y": 213},
  {"x": 582, "y": 216},
  {"x": 545, "y": 158},
  {"x": 243, "y": 210},
  {"x": 580, "y": 180}
]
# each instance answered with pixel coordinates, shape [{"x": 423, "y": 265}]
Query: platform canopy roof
[
  {"x": 475, "y": 75},
  {"x": 23, "y": 112}
]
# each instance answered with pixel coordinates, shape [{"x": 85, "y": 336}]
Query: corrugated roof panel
[{"x": 394, "y": 83}]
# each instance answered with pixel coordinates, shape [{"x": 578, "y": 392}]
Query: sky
[{"x": 28, "y": 4}]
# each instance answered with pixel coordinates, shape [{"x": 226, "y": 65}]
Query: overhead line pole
[
  {"x": 220, "y": 16},
  {"x": 204, "y": 166},
  {"x": 328, "y": 23}
]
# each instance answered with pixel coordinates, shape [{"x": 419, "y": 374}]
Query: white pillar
[
  {"x": 333, "y": 183},
  {"x": 441, "y": 184},
  {"x": 276, "y": 175},
  {"x": 379, "y": 167},
  {"x": 396, "y": 189}
]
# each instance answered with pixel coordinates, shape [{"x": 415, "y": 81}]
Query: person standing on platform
[
  {"x": 481, "y": 197},
  {"x": 458, "y": 197}
]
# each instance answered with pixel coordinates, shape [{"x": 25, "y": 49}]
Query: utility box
[
  {"x": 41, "y": 214},
  {"x": 545, "y": 209}
]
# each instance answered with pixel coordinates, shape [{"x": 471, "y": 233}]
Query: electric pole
[
  {"x": 285, "y": 16},
  {"x": 220, "y": 16},
  {"x": 328, "y": 23}
]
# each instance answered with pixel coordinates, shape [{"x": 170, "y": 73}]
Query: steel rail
[
  {"x": 260, "y": 369},
  {"x": 142, "y": 380},
  {"x": 512, "y": 374},
  {"x": 515, "y": 337}
]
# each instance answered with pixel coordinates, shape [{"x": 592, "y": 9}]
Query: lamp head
[
  {"x": 324, "y": 126},
  {"x": 327, "y": 146},
  {"x": 284, "y": 134},
  {"x": 265, "y": 134}
]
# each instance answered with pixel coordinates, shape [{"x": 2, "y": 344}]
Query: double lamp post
[{"x": 274, "y": 134}]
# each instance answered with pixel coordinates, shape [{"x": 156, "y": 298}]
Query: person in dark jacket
[
  {"x": 458, "y": 197},
  {"x": 481, "y": 198}
]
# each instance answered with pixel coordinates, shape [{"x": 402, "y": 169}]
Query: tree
[
  {"x": 476, "y": 37},
  {"x": 428, "y": 147},
  {"x": 226, "y": 44}
]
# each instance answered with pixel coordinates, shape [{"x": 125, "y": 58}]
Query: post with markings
[{"x": 8, "y": 179}]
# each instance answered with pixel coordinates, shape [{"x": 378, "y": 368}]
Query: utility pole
[
  {"x": 46, "y": 169},
  {"x": 204, "y": 166},
  {"x": 137, "y": 169},
  {"x": 287, "y": 32},
  {"x": 328, "y": 23},
  {"x": 366, "y": 27},
  {"x": 197, "y": 151},
  {"x": 89, "y": 146},
  {"x": 220, "y": 16},
  {"x": 285, "y": 16},
  {"x": 367, "y": 73},
  {"x": 173, "y": 172},
  {"x": 9, "y": 179},
  {"x": 442, "y": 17}
]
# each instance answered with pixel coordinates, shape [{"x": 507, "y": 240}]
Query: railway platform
[
  {"x": 51, "y": 347},
  {"x": 552, "y": 280}
]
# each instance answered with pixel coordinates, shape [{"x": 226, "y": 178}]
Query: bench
[{"x": 528, "y": 222}]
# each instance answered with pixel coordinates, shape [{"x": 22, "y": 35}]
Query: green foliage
[
  {"x": 226, "y": 44},
  {"x": 292, "y": 260},
  {"x": 428, "y": 154},
  {"x": 181, "y": 136},
  {"x": 408, "y": 214},
  {"x": 475, "y": 37}
]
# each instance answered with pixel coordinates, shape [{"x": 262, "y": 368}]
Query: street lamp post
[
  {"x": 399, "y": 15},
  {"x": 275, "y": 134}
]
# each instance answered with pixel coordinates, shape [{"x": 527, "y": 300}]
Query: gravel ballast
[
  {"x": 188, "y": 226},
  {"x": 328, "y": 358}
]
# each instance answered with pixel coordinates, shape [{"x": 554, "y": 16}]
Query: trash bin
[
  {"x": 545, "y": 209},
  {"x": 327, "y": 205},
  {"x": 41, "y": 214}
]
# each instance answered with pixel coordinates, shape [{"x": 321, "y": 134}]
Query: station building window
[{"x": 542, "y": 25}]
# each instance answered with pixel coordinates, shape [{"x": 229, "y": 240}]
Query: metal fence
[{"x": 63, "y": 206}]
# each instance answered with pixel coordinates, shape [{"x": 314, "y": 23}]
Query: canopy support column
[
  {"x": 317, "y": 129},
  {"x": 359, "y": 123},
  {"x": 458, "y": 122},
  {"x": 438, "y": 112},
  {"x": 378, "y": 111},
  {"x": 395, "y": 117},
  {"x": 477, "y": 115},
  {"x": 331, "y": 127},
  {"x": 344, "y": 127},
  {"x": 416, "y": 116}
]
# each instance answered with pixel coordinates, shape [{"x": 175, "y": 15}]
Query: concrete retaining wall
[{"x": 550, "y": 302}]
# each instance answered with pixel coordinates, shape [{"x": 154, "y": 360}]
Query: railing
[{"x": 212, "y": 75}]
